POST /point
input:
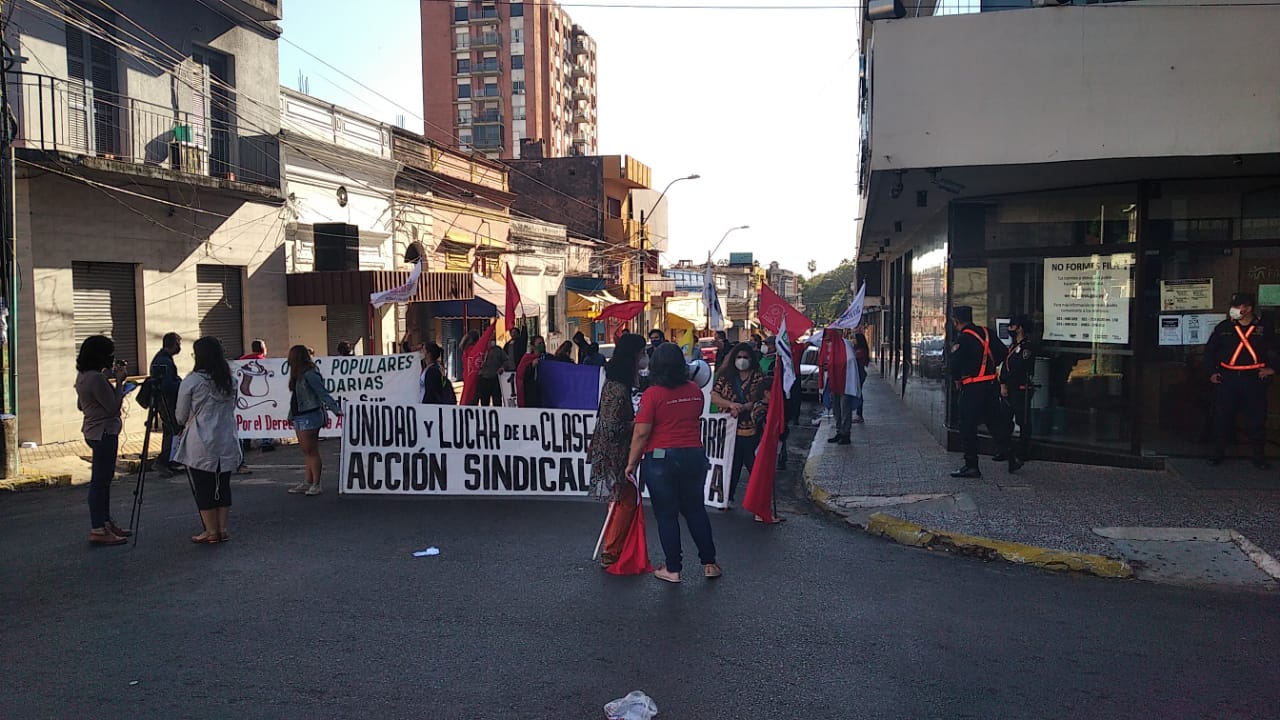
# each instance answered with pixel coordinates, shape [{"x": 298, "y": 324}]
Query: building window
[
  {"x": 464, "y": 92},
  {"x": 615, "y": 208},
  {"x": 517, "y": 36},
  {"x": 460, "y": 14},
  {"x": 517, "y": 87},
  {"x": 464, "y": 65},
  {"x": 464, "y": 138},
  {"x": 517, "y": 9},
  {"x": 491, "y": 90},
  {"x": 464, "y": 115},
  {"x": 552, "y": 326},
  {"x": 488, "y": 136},
  {"x": 517, "y": 62}
]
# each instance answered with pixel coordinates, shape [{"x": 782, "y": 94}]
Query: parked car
[
  {"x": 809, "y": 371},
  {"x": 930, "y": 356},
  {"x": 707, "y": 346}
]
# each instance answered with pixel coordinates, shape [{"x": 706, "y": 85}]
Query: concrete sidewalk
[{"x": 1188, "y": 524}]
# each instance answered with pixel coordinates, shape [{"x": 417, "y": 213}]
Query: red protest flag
[
  {"x": 622, "y": 312},
  {"x": 759, "y": 498},
  {"x": 472, "y": 359},
  {"x": 773, "y": 307},
  {"x": 513, "y": 300},
  {"x": 634, "y": 557}
]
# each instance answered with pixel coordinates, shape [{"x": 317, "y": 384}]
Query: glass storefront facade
[{"x": 1123, "y": 282}]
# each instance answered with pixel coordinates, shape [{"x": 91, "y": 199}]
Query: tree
[{"x": 826, "y": 295}]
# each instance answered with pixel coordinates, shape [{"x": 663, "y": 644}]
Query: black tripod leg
[{"x": 135, "y": 515}]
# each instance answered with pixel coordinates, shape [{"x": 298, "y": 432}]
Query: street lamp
[
  {"x": 713, "y": 252},
  {"x": 644, "y": 251}
]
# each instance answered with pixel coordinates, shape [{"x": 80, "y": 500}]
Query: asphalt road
[{"x": 317, "y": 609}]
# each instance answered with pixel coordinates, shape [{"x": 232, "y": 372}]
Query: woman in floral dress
[{"x": 612, "y": 441}]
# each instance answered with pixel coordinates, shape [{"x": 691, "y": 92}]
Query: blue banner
[{"x": 566, "y": 386}]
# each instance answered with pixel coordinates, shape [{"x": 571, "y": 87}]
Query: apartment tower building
[{"x": 495, "y": 73}]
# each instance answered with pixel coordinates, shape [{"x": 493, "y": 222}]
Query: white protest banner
[
  {"x": 393, "y": 449},
  {"x": 262, "y": 390}
]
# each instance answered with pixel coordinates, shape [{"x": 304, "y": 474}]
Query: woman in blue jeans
[
  {"x": 666, "y": 445},
  {"x": 100, "y": 402}
]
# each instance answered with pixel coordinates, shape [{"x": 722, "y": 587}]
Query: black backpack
[{"x": 146, "y": 393}]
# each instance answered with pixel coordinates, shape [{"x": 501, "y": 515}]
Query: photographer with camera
[
  {"x": 164, "y": 371},
  {"x": 100, "y": 402}
]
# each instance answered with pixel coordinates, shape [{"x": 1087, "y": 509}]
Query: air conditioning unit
[{"x": 885, "y": 9}]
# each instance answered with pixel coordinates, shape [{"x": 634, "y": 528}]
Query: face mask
[
  {"x": 1235, "y": 313},
  {"x": 656, "y": 342},
  {"x": 742, "y": 364},
  {"x": 644, "y": 363},
  {"x": 539, "y": 348}
]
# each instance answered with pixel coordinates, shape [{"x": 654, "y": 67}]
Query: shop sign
[
  {"x": 1181, "y": 295},
  {"x": 1086, "y": 299}
]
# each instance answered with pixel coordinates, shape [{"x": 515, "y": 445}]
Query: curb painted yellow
[
  {"x": 35, "y": 482},
  {"x": 909, "y": 533}
]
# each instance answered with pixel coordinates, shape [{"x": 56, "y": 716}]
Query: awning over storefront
[
  {"x": 458, "y": 310},
  {"x": 353, "y": 287}
]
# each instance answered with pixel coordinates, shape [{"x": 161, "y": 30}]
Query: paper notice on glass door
[
  {"x": 1197, "y": 327},
  {"x": 1170, "y": 330}
]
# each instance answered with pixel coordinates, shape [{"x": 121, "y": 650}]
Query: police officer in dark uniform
[
  {"x": 1240, "y": 360},
  {"x": 974, "y": 358},
  {"x": 1015, "y": 381}
]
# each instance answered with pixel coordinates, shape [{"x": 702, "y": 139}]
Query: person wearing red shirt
[{"x": 668, "y": 440}]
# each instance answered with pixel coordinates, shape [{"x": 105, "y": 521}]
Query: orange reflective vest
[
  {"x": 987, "y": 369},
  {"x": 1244, "y": 345}
]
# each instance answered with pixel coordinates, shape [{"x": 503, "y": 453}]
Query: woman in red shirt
[{"x": 668, "y": 438}]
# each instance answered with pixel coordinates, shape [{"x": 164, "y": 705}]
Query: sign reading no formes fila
[{"x": 390, "y": 449}]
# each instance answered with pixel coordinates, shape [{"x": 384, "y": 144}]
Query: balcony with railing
[
  {"x": 486, "y": 40},
  {"x": 72, "y": 117},
  {"x": 579, "y": 71},
  {"x": 487, "y": 118},
  {"x": 486, "y": 67}
]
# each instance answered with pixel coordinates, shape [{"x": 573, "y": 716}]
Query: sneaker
[
  {"x": 662, "y": 573},
  {"x": 116, "y": 530},
  {"x": 106, "y": 537},
  {"x": 300, "y": 488},
  {"x": 858, "y": 420},
  {"x": 315, "y": 489}
]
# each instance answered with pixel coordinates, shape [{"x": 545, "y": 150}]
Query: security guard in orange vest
[
  {"x": 974, "y": 358},
  {"x": 1240, "y": 360}
]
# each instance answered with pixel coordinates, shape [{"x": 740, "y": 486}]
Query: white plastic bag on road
[{"x": 635, "y": 706}]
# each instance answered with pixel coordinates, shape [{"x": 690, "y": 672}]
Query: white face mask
[
  {"x": 742, "y": 364},
  {"x": 1235, "y": 313}
]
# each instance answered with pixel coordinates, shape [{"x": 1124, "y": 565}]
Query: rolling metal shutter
[
  {"x": 345, "y": 322},
  {"x": 219, "y": 307},
  {"x": 105, "y": 304}
]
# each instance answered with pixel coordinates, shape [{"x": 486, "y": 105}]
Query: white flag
[
  {"x": 852, "y": 316},
  {"x": 401, "y": 294},
  {"x": 783, "y": 345},
  {"x": 715, "y": 317}
]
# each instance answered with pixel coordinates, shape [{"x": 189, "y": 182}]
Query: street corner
[
  {"x": 912, "y": 534},
  {"x": 1195, "y": 556}
]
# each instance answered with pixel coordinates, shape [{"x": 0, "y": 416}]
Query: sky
[{"x": 762, "y": 103}]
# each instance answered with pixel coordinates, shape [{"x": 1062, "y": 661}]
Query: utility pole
[{"x": 8, "y": 259}]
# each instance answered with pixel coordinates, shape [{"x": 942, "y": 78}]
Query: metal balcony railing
[
  {"x": 73, "y": 117},
  {"x": 486, "y": 40}
]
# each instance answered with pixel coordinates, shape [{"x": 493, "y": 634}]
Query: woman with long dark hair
[
  {"x": 307, "y": 413},
  {"x": 208, "y": 446},
  {"x": 437, "y": 389},
  {"x": 612, "y": 439},
  {"x": 100, "y": 402},
  {"x": 740, "y": 389},
  {"x": 668, "y": 440},
  {"x": 564, "y": 353}
]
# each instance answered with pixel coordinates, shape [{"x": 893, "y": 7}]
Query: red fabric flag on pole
[
  {"x": 472, "y": 359},
  {"x": 622, "y": 312},
  {"x": 759, "y": 498},
  {"x": 513, "y": 300},
  {"x": 773, "y": 307},
  {"x": 633, "y": 559}
]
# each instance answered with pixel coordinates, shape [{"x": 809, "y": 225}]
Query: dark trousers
[
  {"x": 980, "y": 405},
  {"x": 1019, "y": 407},
  {"x": 488, "y": 391},
  {"x": 1245, "y": 394},
  {"x": 102, "y": 471},
  {"x": 744, "y": 456},
  {"x": 675, "y": 485}
]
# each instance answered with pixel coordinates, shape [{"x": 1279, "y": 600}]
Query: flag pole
[{"x": 600, "y": 541}]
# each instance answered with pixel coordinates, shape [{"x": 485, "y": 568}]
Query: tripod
[{"x": 158, "y": 414}]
